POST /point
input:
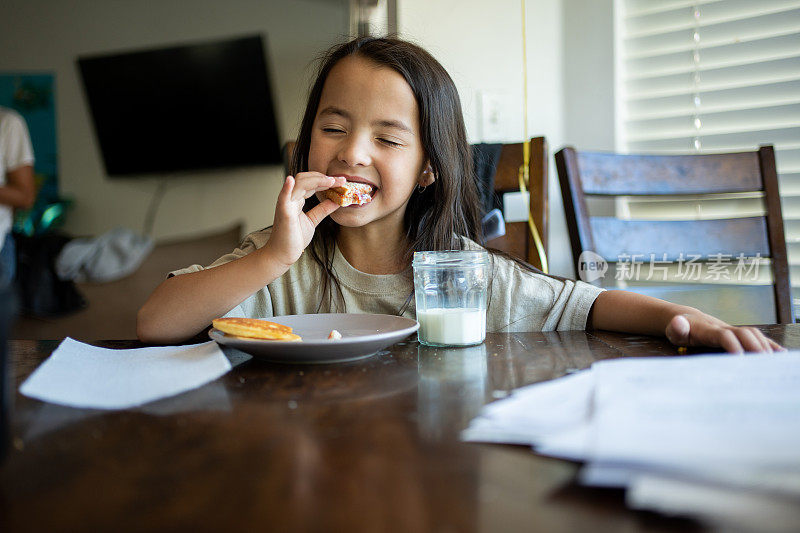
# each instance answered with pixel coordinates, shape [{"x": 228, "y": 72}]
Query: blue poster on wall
[{"x": 32, "y": 95}]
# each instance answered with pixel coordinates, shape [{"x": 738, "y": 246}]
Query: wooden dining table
[{"x": 372, "y": 445}]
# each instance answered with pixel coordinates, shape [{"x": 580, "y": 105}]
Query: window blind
[{"x": 710, "y": 76}]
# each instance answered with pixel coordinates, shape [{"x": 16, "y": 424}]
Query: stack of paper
[{"x": 717, "y": 436}]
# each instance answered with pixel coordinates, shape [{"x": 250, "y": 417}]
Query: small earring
[{"x": 421, "y": 189}]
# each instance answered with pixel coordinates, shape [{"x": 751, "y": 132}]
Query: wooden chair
[
  {"x": 606, "y": 174},
  {"x": 518, "y": 240}
]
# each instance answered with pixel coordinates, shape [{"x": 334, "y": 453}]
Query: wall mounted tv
[{"x": 200, "y": 106}]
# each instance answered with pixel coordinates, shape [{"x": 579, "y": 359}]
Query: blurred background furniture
[
  {"x": 664, "y": 241},
  {"x": 111, "y": 307},
  {"x": 518, "y": 240}
]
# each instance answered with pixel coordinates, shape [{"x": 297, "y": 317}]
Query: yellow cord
[{"x": 524, "y": 173}]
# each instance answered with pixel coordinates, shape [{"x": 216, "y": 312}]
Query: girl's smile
[{"x": 367, "y": 130}]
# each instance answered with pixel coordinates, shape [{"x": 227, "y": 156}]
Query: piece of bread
[
  {"x": 350, "y": 194},
  {"x": 254, "y": 328}
]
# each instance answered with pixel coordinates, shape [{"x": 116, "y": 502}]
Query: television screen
[{"x": 200, "y": 106}]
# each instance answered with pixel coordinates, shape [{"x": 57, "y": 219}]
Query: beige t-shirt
[{"x": 519, "y": 300}]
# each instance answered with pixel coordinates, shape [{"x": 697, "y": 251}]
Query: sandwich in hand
[{"x": 350, "y": 194}]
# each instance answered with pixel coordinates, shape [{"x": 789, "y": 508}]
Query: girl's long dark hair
[{"x": 436, "y": 218}]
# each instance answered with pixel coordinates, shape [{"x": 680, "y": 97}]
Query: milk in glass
[
  {"x": 450, "y": 293},
  {"x": 452, "y": 326}
]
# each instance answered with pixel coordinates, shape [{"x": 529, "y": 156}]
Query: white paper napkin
[{"x": 81, "y": 375}]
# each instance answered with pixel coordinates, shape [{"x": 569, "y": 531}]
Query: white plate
[{"x": 362, "y": 336}]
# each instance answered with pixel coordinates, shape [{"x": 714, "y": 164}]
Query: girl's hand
[
  {"x": 699, "y": 329},
  {"x": 293, "y": 229}
]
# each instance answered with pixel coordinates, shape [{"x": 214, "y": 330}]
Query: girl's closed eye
[
  {"x": 330, "y": 129},
  {"x": 390, "y": 142}
]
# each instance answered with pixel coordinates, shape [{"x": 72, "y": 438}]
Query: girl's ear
[{"x": 427, "y": 177}]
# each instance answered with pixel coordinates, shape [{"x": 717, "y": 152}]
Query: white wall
[
  {"x": 570, "y": 76},
  {"x": 480, "y": 45},
  {"x": 589, "y": 74},
  {"x": 48, "y": 35}
]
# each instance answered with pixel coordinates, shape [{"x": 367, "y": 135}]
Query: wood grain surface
[{"x": 365, "y": 446}]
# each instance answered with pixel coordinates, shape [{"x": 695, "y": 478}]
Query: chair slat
[
  {"x": 614, "y": 237},
  {"x": 624, "y": 174}
]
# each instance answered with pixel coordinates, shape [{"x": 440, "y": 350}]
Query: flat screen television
[{"x": 198, "y": 106}]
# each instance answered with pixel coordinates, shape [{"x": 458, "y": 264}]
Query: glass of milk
[{"x": 450, "y": 291}]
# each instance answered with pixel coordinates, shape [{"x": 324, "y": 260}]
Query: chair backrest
[
  {"x": 609, "y": 174},
  {"x": 518, "y": 240}
]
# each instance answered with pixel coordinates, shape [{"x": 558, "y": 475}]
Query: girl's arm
[
  {"x": 684, "y": 326},
  {"x": 182, "y": 306}
]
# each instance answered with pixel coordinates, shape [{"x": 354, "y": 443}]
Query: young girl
[{"x": 384, "y": 112}]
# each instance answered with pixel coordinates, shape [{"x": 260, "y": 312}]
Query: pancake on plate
[{"x": 254, "y": 328}]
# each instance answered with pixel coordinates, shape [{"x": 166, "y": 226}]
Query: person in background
[{"x": 17, "y": 190}]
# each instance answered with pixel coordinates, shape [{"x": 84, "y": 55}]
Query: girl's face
[{"x": 367, "y": 129}]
